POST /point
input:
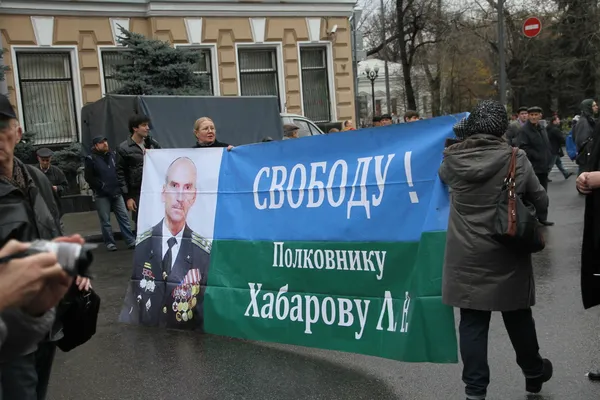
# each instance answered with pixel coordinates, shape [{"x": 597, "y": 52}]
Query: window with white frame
[
  {"x": 258, "y": 72},
  {"x": 315, "y": 84},
  {"x": 111, "y": 60},
  {"x": 204, "y": 65},
  {"x": 47, "y": 95}
]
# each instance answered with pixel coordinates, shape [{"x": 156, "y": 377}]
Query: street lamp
[{"x": 372, "y": 75}]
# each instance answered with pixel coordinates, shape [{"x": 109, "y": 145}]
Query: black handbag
[
  {"x": 79, "y": 318},
  {"x": 516, "y": 225}
]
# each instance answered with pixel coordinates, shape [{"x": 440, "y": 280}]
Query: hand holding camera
[{"x": 36, "y": 276}]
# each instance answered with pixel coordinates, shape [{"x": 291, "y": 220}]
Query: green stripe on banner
[{"x": 374, "y": 298}]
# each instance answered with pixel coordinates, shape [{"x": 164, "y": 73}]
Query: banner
[{"x": 335, "y": 242}]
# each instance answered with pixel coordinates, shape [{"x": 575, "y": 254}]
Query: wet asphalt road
[{"x": 126, "y": 362}]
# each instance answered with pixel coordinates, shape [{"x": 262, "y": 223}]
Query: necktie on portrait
[{"x": 168, "y": 258}]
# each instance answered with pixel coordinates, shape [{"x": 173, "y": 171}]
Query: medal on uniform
[
  {"x": 178, "y": 317},
  {"x": 148, "y": 305}
]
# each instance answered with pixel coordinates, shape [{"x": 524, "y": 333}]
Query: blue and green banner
[{"x": 334, "y": 242}]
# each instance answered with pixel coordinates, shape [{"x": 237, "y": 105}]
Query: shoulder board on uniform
[
  {"x": 201, "y": 242},
  {"x": 144, "y": 236}
]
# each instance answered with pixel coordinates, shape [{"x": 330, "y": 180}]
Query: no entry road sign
[{"x": 532, "y": 27}]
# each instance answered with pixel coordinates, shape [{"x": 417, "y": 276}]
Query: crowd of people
[{"x": 482, "y": 273}]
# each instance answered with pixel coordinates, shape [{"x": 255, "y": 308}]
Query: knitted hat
[
  {"x": 488, "y": 117},
  {"x": 460, "y": 129}
]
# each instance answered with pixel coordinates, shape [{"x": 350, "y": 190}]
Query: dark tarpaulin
[
  {"x": 239, "y": 120},
  {"x": 107, "y": 117}
]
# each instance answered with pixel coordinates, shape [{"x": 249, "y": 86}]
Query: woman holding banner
[
  {"x": 206, "y": 134},
  {"x": 480, "y": 274}
]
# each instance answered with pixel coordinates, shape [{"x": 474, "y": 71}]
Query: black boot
[
  {"x": 593, "y": 375},
  {"x": 534, "y": 385}
]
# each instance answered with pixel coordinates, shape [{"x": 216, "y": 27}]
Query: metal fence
[{"x": 47, "y": 96}]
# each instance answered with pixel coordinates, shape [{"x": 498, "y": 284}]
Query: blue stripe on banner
[{"x": 377, "y": 184}]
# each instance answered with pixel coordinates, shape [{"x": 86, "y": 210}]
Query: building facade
[
  {"x": 61, "y": 54},
  {"x": 398, "y": 104}
]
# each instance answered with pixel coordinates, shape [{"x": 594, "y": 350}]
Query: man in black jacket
[
  {"x": 28, "y": 212},
  {"x": 533, "y": 138},
  {"x": 130, "y": 161},
  {"x": 101, "y": 175}
]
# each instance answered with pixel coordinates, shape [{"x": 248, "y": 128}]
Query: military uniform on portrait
[{"x": 171, "y": 299}]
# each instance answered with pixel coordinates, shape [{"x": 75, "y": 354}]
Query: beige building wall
[{"x": 87, "y": 33}]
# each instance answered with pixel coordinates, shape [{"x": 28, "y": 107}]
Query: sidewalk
[{"x": 88, "y": 226}]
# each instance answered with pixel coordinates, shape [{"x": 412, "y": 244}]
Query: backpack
[{"x": 571, "y": 146}]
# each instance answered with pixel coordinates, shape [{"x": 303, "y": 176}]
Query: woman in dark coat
[
  {"x": 588, "y": 183},
  {"x": 481, "y": 275}
]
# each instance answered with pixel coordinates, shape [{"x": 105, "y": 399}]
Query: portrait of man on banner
[{"x": 171, "y": 261}]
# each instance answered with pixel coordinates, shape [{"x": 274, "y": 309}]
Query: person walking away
[
  {"x": 533, "y": 139},
  {"x": 101, "y": 175},
  {"x": 557, "y": 139},
  {"x": 130, "y": 161},
  {"x": 27, "y": 212},
  {"x": 515, "y": 126},
  {"x": 480, "y": 275},
  {"x": 57, "y": 178},
  {"x": 583, "y": 132}
]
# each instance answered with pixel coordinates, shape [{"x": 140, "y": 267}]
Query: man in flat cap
[
  {"x": 290, "y": 131},
  {"x": 57, "y": 178},
  {"x": 386, "y": 119},
  {"x": 515, "y": 126},
  {"x": 533, "y": 138}
]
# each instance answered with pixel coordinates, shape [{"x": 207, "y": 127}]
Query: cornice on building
[{"x": 183, "y": 8}]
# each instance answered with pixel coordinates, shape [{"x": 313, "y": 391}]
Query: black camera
[{"x": 75, "y": 258}]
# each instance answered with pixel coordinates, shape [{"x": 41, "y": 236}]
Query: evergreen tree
[
  {"x": 153, "y": 67},
  {"x": 25, "y": 149}
]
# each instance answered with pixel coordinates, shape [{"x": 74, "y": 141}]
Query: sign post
[{"x": 532, "y": 27}]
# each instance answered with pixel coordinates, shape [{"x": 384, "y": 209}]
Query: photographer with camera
[
  {"x": 30, "y": 288},
  {"x": 28, "y": 212}
]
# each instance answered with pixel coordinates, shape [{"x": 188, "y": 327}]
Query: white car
[{"x": 307, "y": 127}]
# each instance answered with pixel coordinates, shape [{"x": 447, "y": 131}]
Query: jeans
[
  {"x": 116, "y": 204},
  {"x": 473, "y": 330},
  {"x": 27, "y": 377},
  {"x": 558, "y": 161}
]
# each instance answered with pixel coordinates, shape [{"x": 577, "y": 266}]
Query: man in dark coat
[
  {"x": 515, "y": 126},
  {"x": 59, "y": 182},
  {"x": 557, "y": 141},
  {"x": 588, "y": 183},
  {"x": 27, "y": 212},
  {"x": 533, "y": 139},
  {"x": 130, "y": 161},
  {"x": 171, "y": 261}
]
